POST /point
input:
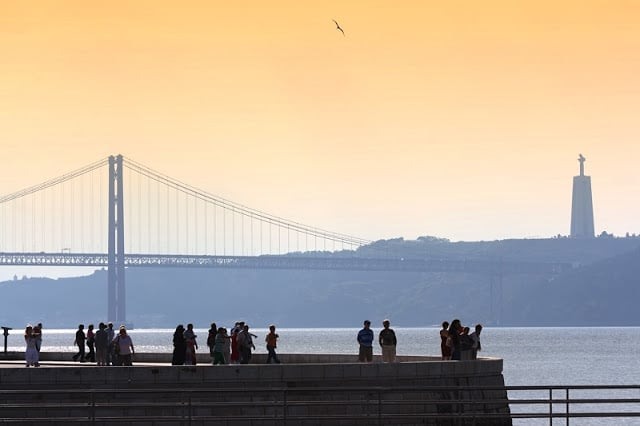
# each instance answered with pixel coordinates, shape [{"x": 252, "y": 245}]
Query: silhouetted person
[
  {"x": 444, "y": 335},
  {"x": 179, "y": 346},
  {"x": 91, "y": 340},
  {"x": 475, "y": 336},
  {"x": 454, "y": 339},
  {"x": 388, "y": 342},
  {"x": 102, "y": 344},
  {"x": 37, "y": 331},
  {"x": 365, "y": 339},
  {"x": 111, "y": 354},
  {"x": 80, "y": 341}
]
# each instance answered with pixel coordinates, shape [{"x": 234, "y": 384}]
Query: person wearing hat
[{"x": 365, "y": 339}]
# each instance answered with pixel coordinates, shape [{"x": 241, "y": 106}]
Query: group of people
[
  {"x": 105, "y": 346},
  {"x": 457, "y": 344},
  {"x": 224, "y": 347}
]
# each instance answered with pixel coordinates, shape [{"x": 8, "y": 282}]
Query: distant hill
[
  {"x": 606, "y": 292},
  {"x": 602, "y": 289}
]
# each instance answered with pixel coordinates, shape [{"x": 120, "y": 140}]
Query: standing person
[
  {"x": 37, "y": 331},
  {"x": 365, "y": 339},
  {"x": 272, "y": 343},
  {"x": 475, "y": 337},
  {"x": 466, "y": 344},
  {"x": 211, "y": 338},
  {"x": 102, "y": 344},
  {"x": 454, "y": 339},
  {"x": 179, "y": 346},
  {"x": 226, "y": 348},
  {"x": 444, "y": 335},
  {"x": 245, "y": 344},
  {"x": 124, "y": 347},
  {"x": 79, "y": 341},
  {"x": 218, "y": 347},
  {"x": 235, "y": 348},
  {"x": 31, "y": 355},
  {"x": 91, "y": 340},
  {"x": 388, "y": 342},
  {"x": 110, "y": 349},
  {"x": 192, "y": 345}
]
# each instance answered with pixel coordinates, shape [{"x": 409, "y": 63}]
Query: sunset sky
[{"x": 459, "y": 119}]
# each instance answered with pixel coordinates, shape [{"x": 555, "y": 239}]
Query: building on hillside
[{"x": 582, "y": 205}]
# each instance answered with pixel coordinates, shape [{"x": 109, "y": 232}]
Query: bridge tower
[
  {"x": 115, "y": 259},
  {"x": 582, "y": 205}
]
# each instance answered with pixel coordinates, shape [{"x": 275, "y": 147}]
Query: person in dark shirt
[
  {"x": 91, "y": 340},
  {"x": 80, "y": 340},
  {"x": 179, "y": 346},
  {"x": 388, "y": 342},
  {"x": 454, "y": 343},
  {"x": 365, "y": 339}
]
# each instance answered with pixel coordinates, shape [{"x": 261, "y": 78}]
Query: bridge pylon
[{"x": 116, "y": 304}]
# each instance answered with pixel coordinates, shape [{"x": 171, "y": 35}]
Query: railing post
[
  {"x": 5, "y": 332},
  {"x": 550, "y": 406},
  {"x": 567, "y": 402}
]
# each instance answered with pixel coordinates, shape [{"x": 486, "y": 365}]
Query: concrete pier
[{"x": 310, "y": 388}]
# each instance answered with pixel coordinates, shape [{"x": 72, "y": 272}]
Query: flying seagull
[{"x": 338, "y": 27}]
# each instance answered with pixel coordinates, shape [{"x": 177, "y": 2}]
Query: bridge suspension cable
[
  {"x": 235, "y": 209},
  {"x": 60, "y": 214},
  {"x": 55, "y": 181}
]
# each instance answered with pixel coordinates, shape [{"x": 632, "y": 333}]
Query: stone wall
[{"x": 318, "y": 389}]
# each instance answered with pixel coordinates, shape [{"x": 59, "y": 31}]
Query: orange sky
[{"x": 460, "y": 119}]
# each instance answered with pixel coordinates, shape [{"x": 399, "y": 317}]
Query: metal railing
[
  {"x": 455, "y": 405},
  {"x": 571, "y": 402}
]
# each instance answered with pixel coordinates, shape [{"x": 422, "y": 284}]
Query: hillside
[{"x": 601, "y": 290}]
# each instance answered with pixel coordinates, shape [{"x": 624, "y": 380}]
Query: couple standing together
[{"x": 386, "y": 339}]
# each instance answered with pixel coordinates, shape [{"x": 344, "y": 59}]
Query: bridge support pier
[{"x": 115, "y": 258}]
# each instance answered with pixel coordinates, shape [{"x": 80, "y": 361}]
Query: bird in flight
[{"x": 338, "y": 27}]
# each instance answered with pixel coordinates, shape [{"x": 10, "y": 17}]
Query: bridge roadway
[{"x": 288, "y": 262}]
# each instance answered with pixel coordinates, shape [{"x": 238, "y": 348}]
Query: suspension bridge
[{"x": 79, "y": 218}]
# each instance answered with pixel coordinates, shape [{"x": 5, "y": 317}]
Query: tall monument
[{"x": 582, "y": 205}]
